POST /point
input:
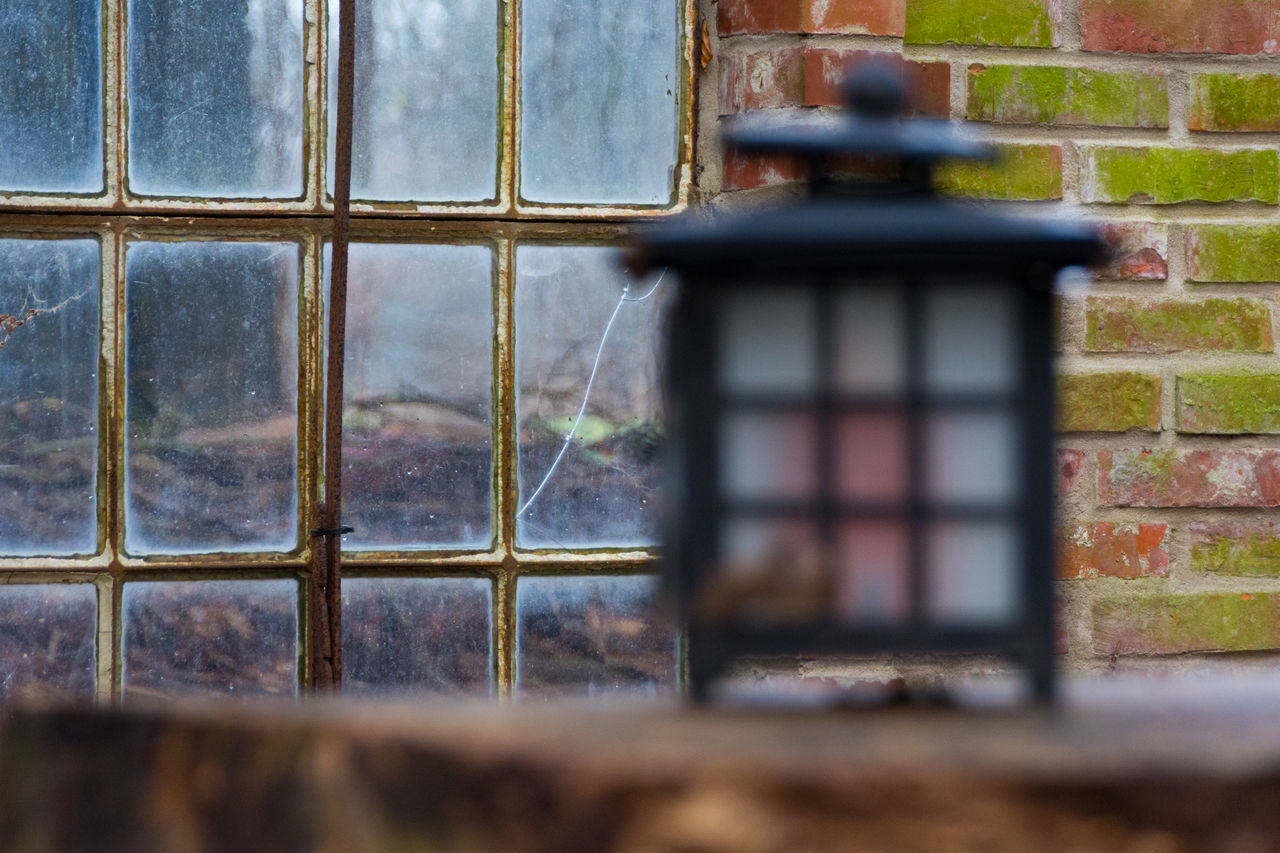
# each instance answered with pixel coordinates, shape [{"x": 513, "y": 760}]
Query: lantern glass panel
[
  {"x": 872, "y": 576},
  {"x": 972, "y": 571},
  {"x": 769, "y": 456},
  {"x": 768, "y": 342},
  {"x": 749, "y": 543},
  {"x": 871, "y": 456},
  {"x": 971, "y": 457},
  {"x": 970, "y": 339},
  {"x": 870, "y": 341}
]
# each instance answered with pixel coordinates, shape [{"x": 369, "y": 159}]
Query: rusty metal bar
[{"x": 326, "y": 578}]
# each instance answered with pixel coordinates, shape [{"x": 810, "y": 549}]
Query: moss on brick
[
  {"x": 1233, "y": 253},
  {"x": 1233, "y": 550},
  {"x": 1023, "y": 172},
  {"x": 1023, "y": 94},
  {"x": 1130, "y": 325},
  {"x": 1225, "y": 403},
  {"x": 1173, "y": 175},
  {"x": 1234, "y": 102},
  {"x": 1009, "y": 23},
  {"x": 1174, "y": 624},
  {"x": 1108, "y": 402}
]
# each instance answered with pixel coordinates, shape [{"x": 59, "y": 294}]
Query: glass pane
[
  {"x": 972, "y": 573},
  {"x": 872, "y": 582},
  {"x": 416, "y": 635},
  {"x": 592, "y": 636},
  {"x": 871, "y": 457},
  {"x": 970, "y": 339},
  {"x": 871, "y": 339},
  {"x": 768, "y": 342},
  {"x": 418, "y": 388},
  {"x": 215, "y": 97},
  {"x": 769, "y": 456},
  {"x": 48, "y": 396},
  {"x": 210, "y": 637},
  {"x": 51, "y": 96},
  {"x": 211, "y": 415},
  {"x": 588, "y": 345},
  {"x": 772, "y": 572},
  {"x": 600, "y": 79},
  {"x": 426, "y": 100},
  {"x": 47, "y": 640},
  {"x": 971, "y": 457}
]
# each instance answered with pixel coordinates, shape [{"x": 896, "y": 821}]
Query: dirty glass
[
  {"x": 210, "y": 637},
  {"x": 426, "y": 100},
  {"x": 215, "y": 97},
  {"x": 47, "y": 640},
  {"x": 588, "y": 473},
  {"x": 418, "y": 388},
  {"x": 210, "y": 397},
  {"x": 597, "y": 637},
  {"x": 51, "y": 96},
  {"x": 48, "y": 396},
  {"x": 416, "y": 635},
  {"x": 599, "y": 86}
]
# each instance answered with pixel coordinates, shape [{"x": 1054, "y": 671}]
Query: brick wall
[{"x": 1159, "y": 119}]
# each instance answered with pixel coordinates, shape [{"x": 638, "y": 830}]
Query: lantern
[{"x": 860, "y": 394}]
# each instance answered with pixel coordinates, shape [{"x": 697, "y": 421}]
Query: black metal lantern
[{"x": 860, "y": 403}]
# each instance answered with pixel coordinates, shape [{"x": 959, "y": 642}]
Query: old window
[{"x": 164, "y": 247}]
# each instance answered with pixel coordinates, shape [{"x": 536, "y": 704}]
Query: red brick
[
  {"x": 748, "y": 171},
  {"x": 1179, "y": 623},
  {"x": 733, "y": 84},
  {"x": 760, "y": 16},
  {"x": 1139, "y": 251},
  {"x": 1201, "y": 478},
  {"x": 774, "y": 79},
  {"x": 1179, "y": 26},
  {"x": 867, "y": 17},
  {"x": 1061, "y": 640},
  {"x": 1070, "y": 462},
  {"x": 1104, "y": 549},
  {"x": 928, "y": 83}
]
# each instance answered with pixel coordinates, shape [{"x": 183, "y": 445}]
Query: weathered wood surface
[{"x": 549, "y": 778}]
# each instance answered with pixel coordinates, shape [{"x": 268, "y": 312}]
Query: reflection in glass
[
  {"x": 48, "y": 396},
  {"x": 598, "y": 90},
  {"x": 47, "y": 640},
  {"x": 598, "y": 637},
  {"x": 971, "y": 457},
  {"x": 426, "y": 100},
  {"x": 215, "y": 97},
  {"x": 768, "y": 342},
  {"x": 210, "y": 637},
  {"x": 51, "y": 96},
  {"x": 600, "y": 487},
  {"x": 870, "y": 334},
  {"x": 211, "y": 397},
  {"x": 416, "y": 635},
  {"x": 766, "y": 456},
  {"x": 418, "y": 389},
  {"x": 970, "y": 338},
  {"x": 972, "y": 571}
]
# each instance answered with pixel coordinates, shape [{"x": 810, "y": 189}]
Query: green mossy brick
[
  {"x": 1022, "y": 173},
  {"x": 1008, "y": 23},
  {"x": 1173, "y": 175},
  {"x": 1176, "y": 624},
  {"x": 1029, "y": 94},
  {"x": 1234, "y": 253},
  {"x": 1235, "y": 102},
  {"x": 1236, "y": 548},
  {"x": 1229, "y": 404},
  {"x": 1108, "y": 402},
  {"x": 1130, "y": 325}
]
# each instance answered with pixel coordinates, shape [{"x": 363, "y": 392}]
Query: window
[{"x": 164, "y": 228}]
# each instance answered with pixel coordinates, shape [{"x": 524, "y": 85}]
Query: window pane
[
  {"x": 236, "y": 637},
  {"x": 971, "y": 457},
  {"x": 575, "y": 316},
  {"x": 418, "y": 389},
  {"x": 765, "y": 456},
  {"x": 211, "y": 397},
  {"x": 416, "y": 635},
  {"x": 48, "y": 396},
  {"x": 872, "y": 578},
  {"x": 51, "y": 96},
  {"x": 871, "y": 337},
  {"x": 215, "y": 97},
  {"x": 972, "y": 571},
  {"x": 768, "y": 342},
  {"x": 970, "y": 339},
  {"x": 599, "y": 85},
  {"x": 426, "y": 100},
  {"x": 871, "y": 456},
  {"x": 47, "y": 640},
  {"x": 592, "y": 636}
]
